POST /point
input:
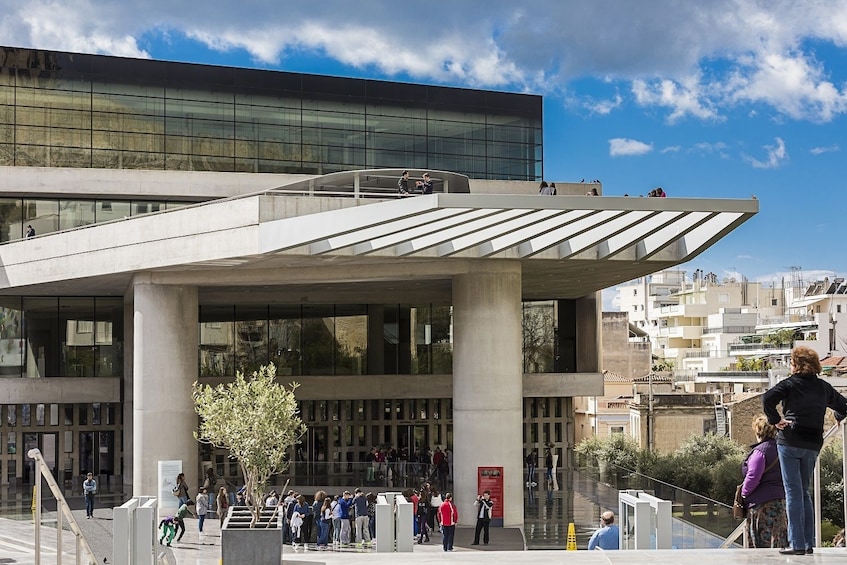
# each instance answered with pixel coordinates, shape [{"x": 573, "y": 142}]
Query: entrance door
[{"x": 316, "y": 454}]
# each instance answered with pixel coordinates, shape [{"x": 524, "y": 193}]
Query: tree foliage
[
  {"x": 256, "y": 419},
  {"x": 710, "y": 448},
  {"x": 616, "y": 449}
]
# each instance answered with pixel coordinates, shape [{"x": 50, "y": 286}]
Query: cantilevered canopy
[{"x": 295, "y": 239}]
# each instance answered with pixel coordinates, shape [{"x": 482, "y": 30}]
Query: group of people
[
  {"x": 779, "y": 467},
  {"x": 392, "y": 467},
  {"x": 423, "y": 186},
  {"x": 531, "y": 461},
  {"x": 778, "y": 470},
  {"x": 547, "y": 189}
]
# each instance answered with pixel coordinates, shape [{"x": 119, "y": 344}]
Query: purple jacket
[{"x": 762, "y": 486}]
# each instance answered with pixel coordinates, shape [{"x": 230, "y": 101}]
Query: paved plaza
[{"x": 17, "y": 547}]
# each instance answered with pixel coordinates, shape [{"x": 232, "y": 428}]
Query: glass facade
[
  {"x": 47, "y": 215},
  {"x": 61, "y": 337},
  {"x": 72, "y": 110}
]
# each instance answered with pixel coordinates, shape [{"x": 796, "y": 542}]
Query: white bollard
[{"x": 122, "y": 531}]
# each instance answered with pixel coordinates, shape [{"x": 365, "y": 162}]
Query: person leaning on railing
[{"x": 762, "y": 490}]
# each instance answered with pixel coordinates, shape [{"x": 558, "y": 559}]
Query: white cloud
[
  {"x": 622, "y": 147},
  {"x": 692, "y": 60},
  {"x": 822, "y": 150},
  {"x": 776, "y": 154},
  {"x": 671, "y": 149}
]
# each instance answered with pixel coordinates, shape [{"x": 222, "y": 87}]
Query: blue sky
[{"x": 724, "y": 99}]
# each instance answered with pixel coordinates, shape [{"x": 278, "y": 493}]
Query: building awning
[
  {"x": 806, "y": 301},
  {"x": 568, "y": 246}
]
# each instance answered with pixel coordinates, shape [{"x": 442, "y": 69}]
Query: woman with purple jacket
[{"x": 762, "y": 490}]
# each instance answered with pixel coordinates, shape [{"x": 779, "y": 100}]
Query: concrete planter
[{"x": 240, "y": 543}]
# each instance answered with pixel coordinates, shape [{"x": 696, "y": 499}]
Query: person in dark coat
[{"x": 804, "y": 399}]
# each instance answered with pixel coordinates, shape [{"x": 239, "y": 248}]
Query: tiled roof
[
  {"x": 611, "y": 377},
  {"x": 656, "y": 379}
]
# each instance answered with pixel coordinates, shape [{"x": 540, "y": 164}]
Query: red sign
[{"x": 491, "y": 478}]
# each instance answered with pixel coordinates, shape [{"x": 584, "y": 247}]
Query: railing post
[
  {"x": 818, "y": 502},
  {"x": 844, "y": 461},
  {"x": 37, "y": 511}
]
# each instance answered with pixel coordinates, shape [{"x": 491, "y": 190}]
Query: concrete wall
[
  {"x": 61, "y": 390},
  {"x": 618, "y": 354}
]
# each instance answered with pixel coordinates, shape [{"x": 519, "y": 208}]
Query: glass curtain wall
[
  {"x": 49, "y": 215},
  {"x": 58, "y": 110},
  {"x": 61, "y": 337}
]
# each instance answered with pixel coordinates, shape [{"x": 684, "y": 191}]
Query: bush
[{"x": 616, "y": 450}]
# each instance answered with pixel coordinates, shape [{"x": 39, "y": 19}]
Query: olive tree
[{"x": 256, "y": 419}]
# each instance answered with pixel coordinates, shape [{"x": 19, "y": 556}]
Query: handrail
[
  {"x": 739, "y": 530},
  {"x": 41, "y": 469},
  {"x": 827, "y": 438}
]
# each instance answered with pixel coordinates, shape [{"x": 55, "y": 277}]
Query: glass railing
[{"x": 698, "y": 522}]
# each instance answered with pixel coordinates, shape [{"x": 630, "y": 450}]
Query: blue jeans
[
  {"x": 323, "y": 532},
  {"x": 798, "y": 466},
  {"x": 200, "y": 519},
  {"x": 89, "y": 505}
]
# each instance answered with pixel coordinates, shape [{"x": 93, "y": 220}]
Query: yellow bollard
[{"x": 571, "y": 538}]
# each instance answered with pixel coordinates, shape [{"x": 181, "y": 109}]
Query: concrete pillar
[
  {"x": 165, "y": 343},
  {"x": 487, "y": 385}
]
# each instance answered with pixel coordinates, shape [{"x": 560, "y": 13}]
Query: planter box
[{"x": 240, "y": 543}]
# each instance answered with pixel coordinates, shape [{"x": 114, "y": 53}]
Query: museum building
[{"x": 192, "y": 221}]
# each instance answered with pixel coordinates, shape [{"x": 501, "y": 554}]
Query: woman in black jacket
[{"x": 804, "y": 399}]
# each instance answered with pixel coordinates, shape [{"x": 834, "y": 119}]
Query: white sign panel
[{"x": 168, "y": 470}]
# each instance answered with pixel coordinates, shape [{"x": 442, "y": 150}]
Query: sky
[{"x": 717, "y": 99}]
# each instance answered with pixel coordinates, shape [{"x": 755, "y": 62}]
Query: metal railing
[{"x": 62, "y": 509}]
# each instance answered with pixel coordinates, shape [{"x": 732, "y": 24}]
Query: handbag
[{"x": 739, "y": 507}]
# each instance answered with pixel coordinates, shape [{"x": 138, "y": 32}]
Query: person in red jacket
[{"x": 448, "y": 516}]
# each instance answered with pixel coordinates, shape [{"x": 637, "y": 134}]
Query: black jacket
[{"x": 805, "y": 399}]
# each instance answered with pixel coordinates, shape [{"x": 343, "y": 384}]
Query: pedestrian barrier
[{"x": 63, "y": 511}]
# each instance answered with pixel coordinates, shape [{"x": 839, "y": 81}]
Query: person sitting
[{"x": 606, "y": 537}]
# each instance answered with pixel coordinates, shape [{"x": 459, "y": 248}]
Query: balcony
[{"x": 681, "y": 332}]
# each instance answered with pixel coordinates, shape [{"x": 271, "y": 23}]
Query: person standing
[
  {"x": 425, "y": 185},
  {"x": 422, "y": 513},
  {"x": 179, "y": 518},
  {"x": 223, "y": 504},
  {"x": 548, "y": 463},
  {"x": 804, "y": 399},
  {"x": 762, "y": 490},
  {"x": 89, "y": 488},
  {"x": 607, "y": 536},
  {"x": 484, "y": 507},
  {"x": 202, "y": 508},
  {"x": 531, "y": 463},
  {"x": 324, "y": 520},
  {"x": 360, "y": 508},
  {"x": 403, "y": 185},
  {"x": 448, "y": 517}
]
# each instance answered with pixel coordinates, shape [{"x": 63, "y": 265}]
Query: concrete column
[
  {"x": 487, "y": 385},
  {"x": 165, "y": 342}
]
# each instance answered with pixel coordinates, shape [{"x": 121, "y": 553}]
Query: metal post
[
  {"x": 818, "y": 502},
  {"x": 844, "y": 461},
  {"x": 58, "y": 535},
  {"x": 37, "y": 513}
]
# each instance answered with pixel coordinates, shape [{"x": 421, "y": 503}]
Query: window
[{"x": 615, "y": 430}]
